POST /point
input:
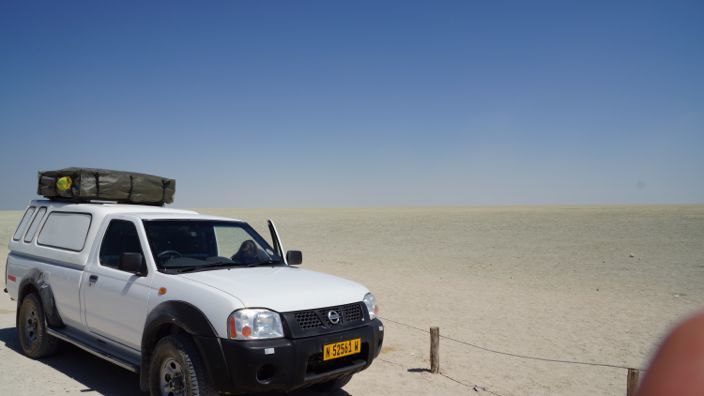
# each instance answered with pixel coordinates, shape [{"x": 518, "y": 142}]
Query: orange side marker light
[{"x": 162, "y": 291}]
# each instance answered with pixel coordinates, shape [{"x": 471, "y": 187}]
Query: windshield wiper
[
  {"x": 180, "y": 270},
  {"x": 216, "y": 264},
  {"x": 268, "y": 262},
  {"x": 219, "y": 264},
  {"x": 190, "y": 268}
]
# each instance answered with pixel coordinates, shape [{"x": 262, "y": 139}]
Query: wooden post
[
  {"x": 434, "y": 350},
  {"x": 632, "y": 382}
]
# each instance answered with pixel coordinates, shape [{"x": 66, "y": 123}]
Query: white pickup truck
[{"x": 194, "y": 304}]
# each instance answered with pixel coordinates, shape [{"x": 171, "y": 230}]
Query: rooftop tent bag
[{"x": 87, "y": 184}]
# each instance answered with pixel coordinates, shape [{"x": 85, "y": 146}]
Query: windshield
[{"x": 196, "y": 245}]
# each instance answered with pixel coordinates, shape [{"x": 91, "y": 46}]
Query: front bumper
[{"x": 286, "y": 364}]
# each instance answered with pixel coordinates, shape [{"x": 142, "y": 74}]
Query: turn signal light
[
  {"x": 231, "y": 328},
  {"x": 246, "y": 331}
]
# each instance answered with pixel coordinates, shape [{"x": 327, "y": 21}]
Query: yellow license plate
[{"x": 343, "y": 348}]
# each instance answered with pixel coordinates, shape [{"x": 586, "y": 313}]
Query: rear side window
[
  {"x": 65, "y": 230},
  {"x": 35, "y": 224},
  {"x": 120, "y": 237},
  {"x": 23, "y": 224}
]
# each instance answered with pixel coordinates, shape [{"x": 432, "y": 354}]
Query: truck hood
[{"x": 281, "y": 289}]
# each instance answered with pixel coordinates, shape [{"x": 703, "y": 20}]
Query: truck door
[{"x": 115, "y": 301}]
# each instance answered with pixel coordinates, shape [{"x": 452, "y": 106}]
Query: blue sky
[{"x": 365, "y": 103}]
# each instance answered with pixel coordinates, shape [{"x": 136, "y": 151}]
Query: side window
[
  {"x": 120, "y": 237},
  {"x": 23, "y": 224},
  {"x": 35, "y": 224},
  {"x": 65, "y": 230}
]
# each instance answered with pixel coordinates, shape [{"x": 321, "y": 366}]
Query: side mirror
[
  {"x": 132, "y": 262},
  {"x": 294, "y": 257}
]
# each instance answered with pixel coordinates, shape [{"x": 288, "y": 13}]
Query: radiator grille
[{"x": 317, "y": 318}]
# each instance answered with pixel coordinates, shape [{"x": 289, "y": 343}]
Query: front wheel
[
  {"x": 176, "y": 369},
  {"x": 31, "y": 329},
  {"x": 333, "y": 385}
]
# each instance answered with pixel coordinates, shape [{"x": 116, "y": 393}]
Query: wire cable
[{"x": 516, "y": 355}]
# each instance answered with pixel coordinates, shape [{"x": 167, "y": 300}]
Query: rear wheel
[
  {"x": 176, "y": 369},
  {"x": 333, "y": 385},
  {"x": 31, "y": 329}
]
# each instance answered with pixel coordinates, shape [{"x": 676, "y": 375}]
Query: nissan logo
[{"x": 334, "y": 317}]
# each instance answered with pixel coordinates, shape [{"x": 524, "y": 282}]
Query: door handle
[{"x": 92, "y": 279}]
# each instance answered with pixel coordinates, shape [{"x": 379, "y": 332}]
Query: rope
[{"x": 516, "y": 355}]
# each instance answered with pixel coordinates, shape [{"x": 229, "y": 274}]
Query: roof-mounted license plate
[{"x": 343, "y": 348}]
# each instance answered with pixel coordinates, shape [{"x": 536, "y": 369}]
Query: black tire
[
  {"x": 176, "y": 369},
  {"x": 31, "y": 329},
  {"x": 333, "y": 385}
]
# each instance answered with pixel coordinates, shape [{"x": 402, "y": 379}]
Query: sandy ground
[{"x": 552, "y": 282}]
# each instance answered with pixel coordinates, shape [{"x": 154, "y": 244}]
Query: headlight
[
  {"x": 370, "y": 302},
  {"x": 254, "y": 324}
]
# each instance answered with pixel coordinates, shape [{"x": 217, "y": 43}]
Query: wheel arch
[
  {"x": 181, "y": 317},
  {"x": 35, "y": 282}
]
